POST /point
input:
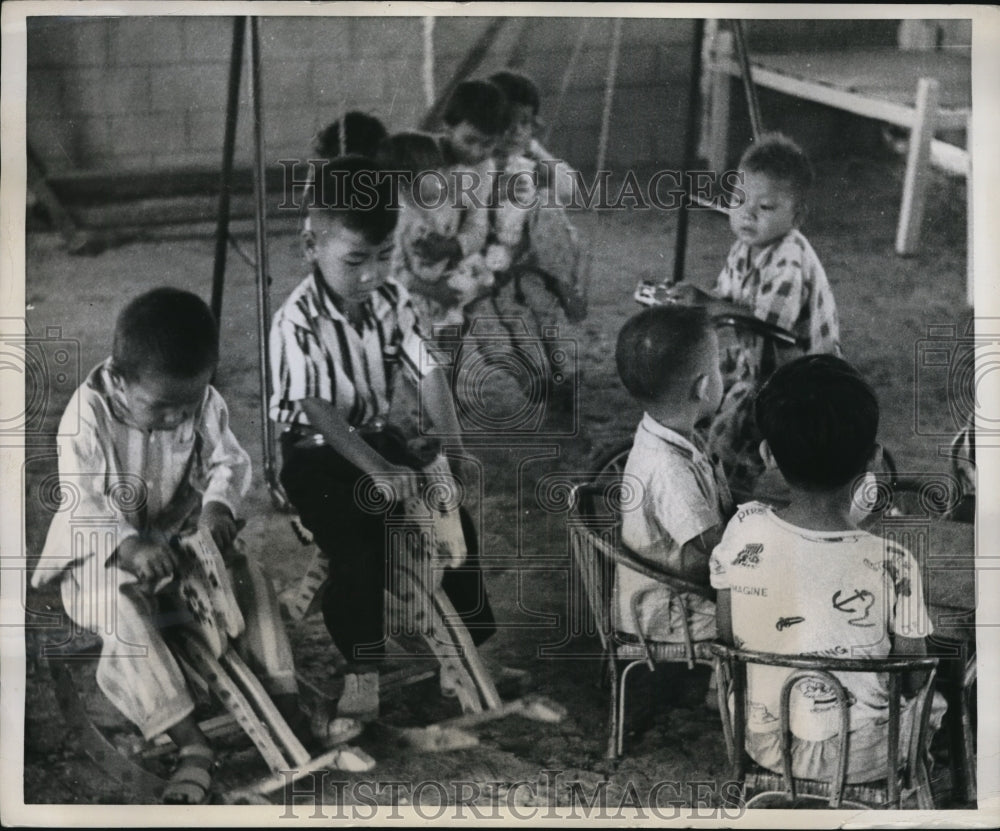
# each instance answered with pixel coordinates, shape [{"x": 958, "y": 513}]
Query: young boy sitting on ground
[
  {"x": 784, "y": 576},
  {"x": 440, "y": 288},
  {"x": 668, "y": 360},
  {"x": 339, "y": 344},
  {"x": 773, "y": 272},
  {"x": 151, "y": 425}
]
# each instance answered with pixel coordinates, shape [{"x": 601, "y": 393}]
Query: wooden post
[
  {"x": 911, "y": 212},
  {"x": 718, "y": 143}
]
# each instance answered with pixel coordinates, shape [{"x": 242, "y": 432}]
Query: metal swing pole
[
  {"x": 228, "y": 151},
  {"x": 263, "y": 271},
  {"x": 746, "y": 75},
  {"x": 690, "y": 148}
]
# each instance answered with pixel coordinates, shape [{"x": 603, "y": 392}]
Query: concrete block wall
[{"x": 149, "y": 93}]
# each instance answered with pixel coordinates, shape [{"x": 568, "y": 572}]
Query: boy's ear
[
  {"x": 309, "y": 243},
  {"x": 765, "y": 453},
  {"x": 699, "y": 389},
  {"x": 801, "y": 212},
  {"x": 875, "y": 460}
]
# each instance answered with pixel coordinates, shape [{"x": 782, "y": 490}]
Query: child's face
[
  {"x": 770, "y": 211},
  {"x": 521, "y": 131},
  {"x": 157, "y": 401},
  {"x": 352, "y": 267},
  {"x": 470, "y": 144}
]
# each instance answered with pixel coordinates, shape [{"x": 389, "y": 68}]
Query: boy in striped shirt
[{"x": 341, "y": 345}]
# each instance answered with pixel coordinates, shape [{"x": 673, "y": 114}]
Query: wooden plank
[
  {"x": 911, "y": 212},
  {"x": 898, "y": 114}
]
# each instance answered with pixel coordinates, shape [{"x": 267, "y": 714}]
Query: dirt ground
[{"x": 886, "y": 304}]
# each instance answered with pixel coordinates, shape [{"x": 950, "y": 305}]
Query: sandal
[{"x": 191, "y": 781}]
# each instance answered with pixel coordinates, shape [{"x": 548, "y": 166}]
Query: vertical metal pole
[
  {"x": 609, "y": 93},
  {"x": 690, "y": 147},
  {"x": 228, "y": 150},
  {"x": 746, "y": 74},
  {"x": 263, "y": 271}
]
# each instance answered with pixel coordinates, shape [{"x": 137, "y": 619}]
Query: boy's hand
[
  {"x": 686, "y": 294},
  {"x": 218, "y": 520},
  {"x": 439, "y": 292},
  {"x": 152, "y": 562}
]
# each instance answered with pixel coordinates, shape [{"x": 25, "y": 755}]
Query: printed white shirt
[{"x": 836, "y": 594}]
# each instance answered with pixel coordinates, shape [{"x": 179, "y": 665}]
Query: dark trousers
[{"x": 321, "y": 485}]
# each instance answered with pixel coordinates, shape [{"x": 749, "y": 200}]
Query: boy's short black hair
[
  {"x": 356, "y": 133},
  {"x": 411, "y": 152},
  {"x": 776, "y": 155},
  {"x": 519, "y": 89},
  {"x": 659, "y": 350},
  {"x": 167, "y": 331},
  {"x": 355, "y": 191},
  {"x": 481, "y": 104},
  {"x": 820, "y": 418}
]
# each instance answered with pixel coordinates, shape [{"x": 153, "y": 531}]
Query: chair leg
[
  {"x": 621, "y": 705},
  {"x": 613, "y": 751},
  {"x": 968, "y": 749}
]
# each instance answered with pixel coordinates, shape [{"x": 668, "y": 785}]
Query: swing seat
[
  {"x": 427, "y": 534},
  {"x": 213, "y": 667}
]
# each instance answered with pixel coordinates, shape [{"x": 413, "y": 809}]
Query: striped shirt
[
  {"x": 785, "y": 285},
  {"x": 316, "y": 352}
]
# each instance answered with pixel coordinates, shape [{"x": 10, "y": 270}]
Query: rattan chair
[
  {"x": 595, "y": 543},
  {"x": 906, "y": 778}
]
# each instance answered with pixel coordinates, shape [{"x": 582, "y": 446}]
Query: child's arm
[
  {"x": 344, "y": 439},
  {"x": 695, "y": 554},
  {"x": 554, "y": 174},
  {"x": 228, "y": 472}
]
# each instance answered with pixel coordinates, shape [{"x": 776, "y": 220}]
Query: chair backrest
[
  {"x": 596, "y": 547},
  {"x": 731, "y": 666},
  {"x": 594, "y": 532}
]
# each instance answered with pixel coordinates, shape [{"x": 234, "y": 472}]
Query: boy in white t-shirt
[{"x": 805, "y": 580}]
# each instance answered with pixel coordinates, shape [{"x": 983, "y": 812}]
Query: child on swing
[
  {"x": 340, "y": 345},
  {"x": 441, "y": 288},
  {"x": 154, "y": 453},
  {"x": 773, "y": 272},
  {"x": 475, "y": 119}
]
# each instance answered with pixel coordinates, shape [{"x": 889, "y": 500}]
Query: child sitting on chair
[
  {"x": 341, "y": 346},
  {"x": 773, "y": 272},
  {"x": 805, "y": 580},
  {"x": 153, "y": 452},
  {"x": 440, "y": 287},
  {"x": 668, "y": 360}
]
